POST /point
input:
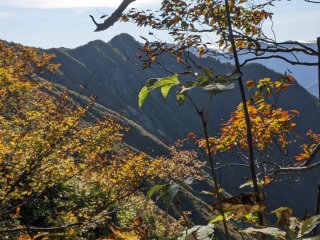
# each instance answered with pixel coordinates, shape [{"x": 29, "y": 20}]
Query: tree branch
[
  {"x": 304, "y": 167},
  {"x": 38, "y": 229},
  {"x": 280, "y": 57},
  {"x": 312, "y": 156},
  {"x": 298, "y": 169},
  {"x": 115, "y": 16},
  {"x": 310, "y": 1}
]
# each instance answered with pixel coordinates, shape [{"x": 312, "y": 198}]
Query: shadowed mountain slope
[{"x": 111, "y": 72}]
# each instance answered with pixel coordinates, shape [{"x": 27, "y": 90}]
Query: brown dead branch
[{"x": 115, "y": 16}]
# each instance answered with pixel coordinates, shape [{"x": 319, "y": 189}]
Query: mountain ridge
[{"x": 111, "y": 72}]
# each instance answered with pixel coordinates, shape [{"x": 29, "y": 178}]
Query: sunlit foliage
[
  {"x": 60, "y": 175},
  {"x": 270, "y": 124},
  {"x": 189, "y": 22}
]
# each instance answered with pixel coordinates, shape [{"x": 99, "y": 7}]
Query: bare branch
[
  {"x": 280, "y": 57},
  {"x": 298, "y": 169},
  {"x": 304, "y": 167},
  {"x": 115, "y": 16},
  {"x": 310, "y": 1},
  {"x": 275, "y": 47},
  {"x": 38, "y": 229},
  {"x": 232, "y": 165},
  {"x": 287, "y": 50}
]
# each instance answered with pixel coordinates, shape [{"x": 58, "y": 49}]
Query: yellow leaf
[{"x": 153, "y": 58}]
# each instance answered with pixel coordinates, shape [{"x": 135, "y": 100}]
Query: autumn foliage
[
  {"x": 259, "y": 133},
  {"x": 269, "y": 123},
  {"x": 63, "y": 174}
]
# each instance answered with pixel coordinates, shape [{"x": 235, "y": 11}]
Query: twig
[
  {"x": 280, "y": 57},
  {"x": 213, "y": 172},
  {"x": 39, "y": 229},
  {"x": 312, "y": 156}
]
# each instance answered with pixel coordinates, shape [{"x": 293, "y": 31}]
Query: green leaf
[
  {"x": 170, "y": 80},
  {"x": 229, "y": 77},
  {"x": 185, "y": 182},
  {"x": 217, "y": 219},
  {"x": 166, "y": 89},
  {"x": 203, "y": 79},
  {"x": 154, "y": 190},
  {"x": 208, "y": 72},
  {"x": 143, "y": 95},
  {"x": 221, "y": 78},
  {"x": 251, "y": 217},
  {"x": 181, "y": 98},
  {"x": 308, "y": 225},
  {"x": 165, "y": 84},
  {"x": 167, "y": 192},
  {"x": 271, "y": 231},
  {"x": 184, "y": 91}
]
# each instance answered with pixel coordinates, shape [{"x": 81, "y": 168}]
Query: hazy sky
[{"x": 65, "y": 23}]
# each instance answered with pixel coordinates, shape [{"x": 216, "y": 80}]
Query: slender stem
[
  {"x": 213, "y": 173},
  {"x": 318, "y": 43},
  {"x": 185, "y": 219},
  {"x": 317, "y": 210},
  {"x": 245, "y": 109}
]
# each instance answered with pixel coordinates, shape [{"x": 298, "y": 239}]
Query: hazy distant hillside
[
  {"x": 112, "y": 73},
  {"x": 307, "y": 76},
  {"x": 314, "y": 89}
]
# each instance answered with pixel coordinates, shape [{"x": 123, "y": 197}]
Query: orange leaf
[
  {"x": 290, "y": 78},
  {"x": 295, "y": 112},
  {"x": 191, "y": 135},
  {"x": 137, "y": 221},
  {"x": 267, "y": 180}
]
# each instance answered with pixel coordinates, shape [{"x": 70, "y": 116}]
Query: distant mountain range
[
  {"x": 111, "y": 72},
  {"x": 307, "y": 76}
]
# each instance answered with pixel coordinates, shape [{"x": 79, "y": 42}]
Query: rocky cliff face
[{"x": 111, "y": 72}]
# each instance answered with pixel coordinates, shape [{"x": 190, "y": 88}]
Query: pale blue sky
[{"x": 65, "y": 23}]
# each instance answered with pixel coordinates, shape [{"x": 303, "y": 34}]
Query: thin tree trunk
[
  {"x": 318, "y": 43},
  {"x": 213, "y": 172},
  {"x": 317, "y": 209},
  {"x": 245, "y": 109}
]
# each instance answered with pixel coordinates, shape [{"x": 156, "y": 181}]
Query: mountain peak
[
  {"x": 123, "y": 37},
  {"x": 97, "y": 42},
  {"x": 125, "y": 42},
  {"x": 95, "y": 45}
]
